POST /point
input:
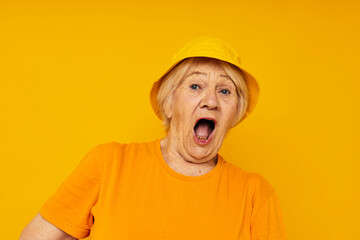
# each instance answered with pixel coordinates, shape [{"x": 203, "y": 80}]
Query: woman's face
[{"x": 202, "y": 110}]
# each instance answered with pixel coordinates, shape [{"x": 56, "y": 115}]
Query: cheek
[
  {"x": 184, "y": 104},
  {"x": 231, "y": 110}
]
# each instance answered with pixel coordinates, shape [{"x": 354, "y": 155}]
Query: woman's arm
[{"x": 40, "y": 229}]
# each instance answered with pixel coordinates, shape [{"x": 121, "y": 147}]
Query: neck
[{"x": 181, "y": 165}]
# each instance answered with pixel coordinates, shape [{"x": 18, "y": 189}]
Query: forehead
[{"x": 204, "y": 67}]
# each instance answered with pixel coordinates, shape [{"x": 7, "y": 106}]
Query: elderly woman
[{"x": 178, "y": 187}]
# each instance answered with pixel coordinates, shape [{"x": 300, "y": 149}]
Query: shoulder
[
  {"x": 115, "y": 147},
  {"x": 255, "y": 184},
  {"x": 109, "y": 153}
]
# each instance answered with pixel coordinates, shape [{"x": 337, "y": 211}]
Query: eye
[
  {"x": 225, "y": 91},
  {"x": 194, "y": 86}
]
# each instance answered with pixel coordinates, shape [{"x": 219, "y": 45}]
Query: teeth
[{"x": 202, "y": 138}]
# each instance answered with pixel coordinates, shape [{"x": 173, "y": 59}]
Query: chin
[{"x": 202, "y": 154}]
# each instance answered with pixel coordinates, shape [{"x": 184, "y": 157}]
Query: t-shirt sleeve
[
  {"x": 70, "y": 207},
  {"x": 267, "y": 221}
]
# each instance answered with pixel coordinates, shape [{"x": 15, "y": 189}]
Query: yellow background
[{"x": 74, "y": 74}]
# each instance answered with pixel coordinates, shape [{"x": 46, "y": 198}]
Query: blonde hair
[{"x": 173, "y": 79}]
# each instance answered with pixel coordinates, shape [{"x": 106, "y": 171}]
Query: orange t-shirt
[{"x": 127, "y": 191}]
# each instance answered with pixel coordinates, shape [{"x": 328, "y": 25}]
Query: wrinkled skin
[{"x": 206, "y": 92}]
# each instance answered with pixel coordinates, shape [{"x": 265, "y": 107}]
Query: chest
[{"x": 155, "y": 206}]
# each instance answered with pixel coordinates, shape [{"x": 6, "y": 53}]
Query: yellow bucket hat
[{"x": 211, "y": 48}]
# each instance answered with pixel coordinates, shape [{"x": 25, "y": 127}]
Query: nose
[{"x": 210, "y": 100}]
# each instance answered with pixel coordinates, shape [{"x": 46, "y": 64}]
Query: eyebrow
[
  {"x": 202, "y": 73},
  {"x": 226, "y": 76}
]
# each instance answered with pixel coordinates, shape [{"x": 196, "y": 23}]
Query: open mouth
[{"x": 203, "y": 129}]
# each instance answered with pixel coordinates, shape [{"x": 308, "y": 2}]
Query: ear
[{"x": 168, "y": 107}]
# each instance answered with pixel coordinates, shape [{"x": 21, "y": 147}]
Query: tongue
[{"x": 202, "y": 129}]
